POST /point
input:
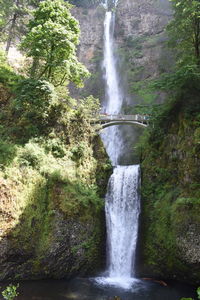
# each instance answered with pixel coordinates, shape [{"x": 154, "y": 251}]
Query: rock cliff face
[
  {"x": 140, "y": 47},
  {"x": 91, "y": 48},
  {"x": 91, "y": 38},
  {"x": 170, "y": 226},
  {"x": 53, "y": 226},
  {"x": 141, "y": 39}
]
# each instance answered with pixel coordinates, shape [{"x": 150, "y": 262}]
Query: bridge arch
[{"x": 123, "y": 122}]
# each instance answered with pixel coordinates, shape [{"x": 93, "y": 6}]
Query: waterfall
[
  {"x": 122, "y": 213},
  {"x": 112, "y": 135},
  {"x": 113, "y": 92},
  {"x": 122, "y": 198}
]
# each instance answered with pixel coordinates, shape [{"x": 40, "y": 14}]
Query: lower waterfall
[{"x": 122, "y": 214}]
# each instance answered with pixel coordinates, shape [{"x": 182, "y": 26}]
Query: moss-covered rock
[
  {"x": 52, "y": 208},
  {"x": 170, "y": 223}
]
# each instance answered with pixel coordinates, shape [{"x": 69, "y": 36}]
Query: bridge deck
[{"x": 109, "y": 118}]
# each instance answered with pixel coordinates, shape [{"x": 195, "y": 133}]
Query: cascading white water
[
  {"x": 113, "y": 92},
  {"x": 122, "y": 198},
  {"x": 122, "y": 213},
  {"x": 113, "y": 105}
]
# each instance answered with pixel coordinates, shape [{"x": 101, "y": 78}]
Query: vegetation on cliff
[
  {"x": 53, "y": 165},
  {"x": 170, "y": 156}
]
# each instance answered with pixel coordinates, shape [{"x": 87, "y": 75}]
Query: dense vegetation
[
  {"x": 53, "y": 168},
  {"x": 170, "y": 157}
]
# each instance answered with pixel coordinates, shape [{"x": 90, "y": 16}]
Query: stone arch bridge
[{"x": 111, "y": 120}]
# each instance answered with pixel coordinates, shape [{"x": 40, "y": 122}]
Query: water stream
[{"x": 122, "y": 198}]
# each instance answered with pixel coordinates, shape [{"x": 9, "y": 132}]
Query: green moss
[
  {"x": 53, "y": 180},
  {"x": 170, "y": 191},
  {"x": 52, "y": 191}
]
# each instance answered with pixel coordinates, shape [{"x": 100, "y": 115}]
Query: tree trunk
[
  {"x": 12, "y": 27},
  {"x": 10, "y": 34},
  {"x": 197, "y": 40},
  {"x": 34, "y": 67}
]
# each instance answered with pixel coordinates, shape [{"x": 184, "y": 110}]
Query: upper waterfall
[
  {"x": 113, "y": 93},
  {"x": 114, "y": 97}
]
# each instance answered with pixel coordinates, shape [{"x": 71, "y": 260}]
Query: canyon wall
[
  {"x": 169, "y": 243},
  {"x": 170, "y": 222}
]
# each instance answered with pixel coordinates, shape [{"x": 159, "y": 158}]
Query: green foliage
[
  {"x": 198, "y": 292},
  {"x": 186, "y": 202},
  {"x": 89, "y": 106},
  {"x": 35, "y": 107},
  {"x": 80, "y": 195},
  {"x": 31, "y": 155},
  {"x": 168, "y": 149},
  {"x": 10, "y": 292},
  {"x": 78, "y": 151},
  {"x": 171, "y": 202},
  {"x": 184, "y": 30},
  {"x": 8, "y": 151},
  {"x": 184, "y": 38},
  {"x": 185, "y": 75},
  {"x": 135, "y": 42},
  {"x": 144, "y": 91},
  {"x": 13, "y": 19},
  {"x": 7, "y": 76},
  {"x": 184, "y": 211},
  {"x": 51, "y": 41},
  {"x": 34, "y": 93},
  {"x": 56, "y": 147}
]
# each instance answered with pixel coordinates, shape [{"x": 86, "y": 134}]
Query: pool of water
[{"x": 89, "y": 289}]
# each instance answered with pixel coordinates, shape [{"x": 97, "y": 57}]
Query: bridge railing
[{"x": 120, "y": 117}]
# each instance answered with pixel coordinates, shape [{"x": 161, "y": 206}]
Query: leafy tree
[
  {"x": 184, "y": 34},
  {"x": 90, "y": 106},
  {"x": 51, "y": 41},
  {"x": 184, "y": 30},
  {"x": 186, "y": 75},
  {"x": 12, "y": 19}
]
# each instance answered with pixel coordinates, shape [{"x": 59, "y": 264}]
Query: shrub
[
  {"x": 56, "y": 147},
  {"x": 7, "y": 152},
  {"x": 10, "y": 292},
  {"x": 7, "y": 76},
  {"x": 31, "y": 155},
  {"x": 35, "y": 107},
  {"x": 78, "y": 151}
]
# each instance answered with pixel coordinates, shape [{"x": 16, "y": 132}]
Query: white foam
[{"x": 125, "y": 283}]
